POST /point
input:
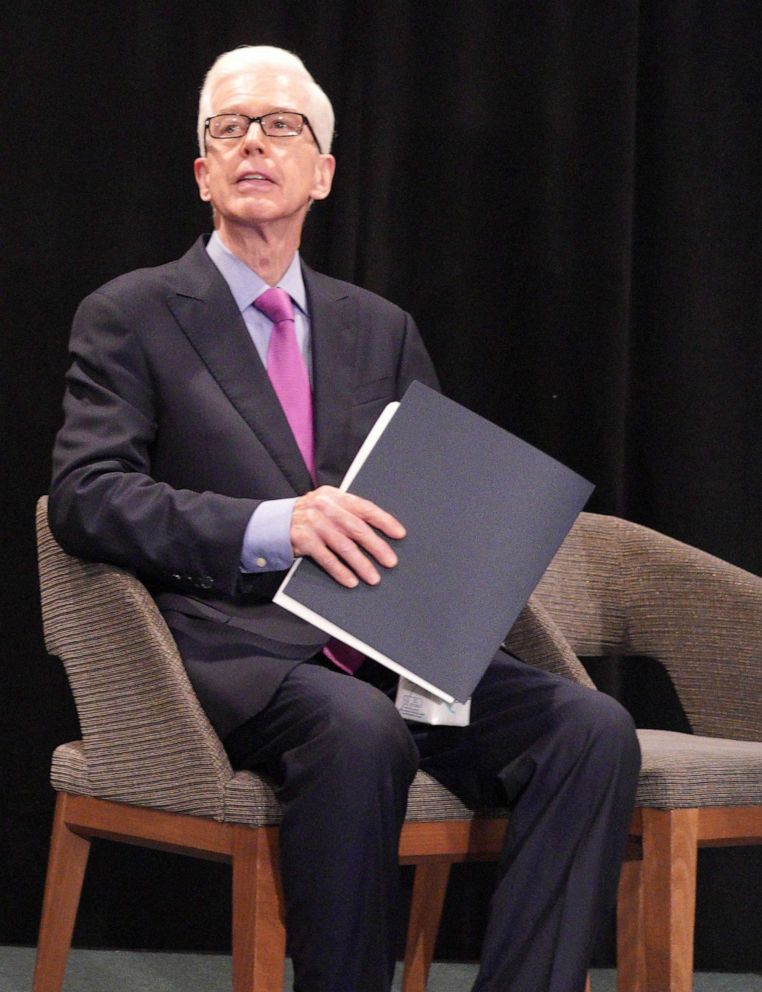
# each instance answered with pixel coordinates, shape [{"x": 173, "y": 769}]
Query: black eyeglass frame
[{"x": 258, "y": 120}]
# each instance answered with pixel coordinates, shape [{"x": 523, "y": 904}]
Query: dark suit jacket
[{"x": 173, "y": 435}]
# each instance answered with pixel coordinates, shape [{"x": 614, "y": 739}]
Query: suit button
[
  {"x": 176, "y": 577},
  {"x": 206, "y": 582}
]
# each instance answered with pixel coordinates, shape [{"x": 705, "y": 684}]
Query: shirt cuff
[{"x": 267, "y": 540}]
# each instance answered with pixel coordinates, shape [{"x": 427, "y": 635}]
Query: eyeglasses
[{"x": 278, "y": 124}]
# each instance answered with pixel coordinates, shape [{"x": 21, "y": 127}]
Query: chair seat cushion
[
  {"x": 68, "y": 769},
  {"x": 679, "y": 771},
  {"x": 249, "y": 798},
  {"x": 69, "y": 772},
  {"x": 682, "y": 771}
]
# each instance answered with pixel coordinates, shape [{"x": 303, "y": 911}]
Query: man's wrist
[{"x": 267, "y": 539}]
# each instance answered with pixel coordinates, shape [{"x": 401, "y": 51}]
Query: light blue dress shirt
[{"x": 267, "y": 540}]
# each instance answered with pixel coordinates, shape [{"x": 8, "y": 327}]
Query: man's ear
[
  {"x": 201, "y": 172},
  {"x": 325, "y": 166}
]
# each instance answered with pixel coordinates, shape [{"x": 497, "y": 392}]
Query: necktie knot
[{"x": 275, "y": 303}]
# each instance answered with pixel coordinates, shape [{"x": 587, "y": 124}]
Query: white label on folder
[{"x": 415, "y": 703}]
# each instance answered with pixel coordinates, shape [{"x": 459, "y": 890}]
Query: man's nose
[{"x": 255, "y": 136}]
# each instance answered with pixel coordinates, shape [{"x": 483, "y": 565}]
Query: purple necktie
[
  {"x": 287, "y": 371},
  {"x": 288, "y": 374}
]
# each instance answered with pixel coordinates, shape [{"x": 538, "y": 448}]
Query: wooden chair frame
[
  {"x": 656, "y": 905},
  {"x": 259, "y": 938}
]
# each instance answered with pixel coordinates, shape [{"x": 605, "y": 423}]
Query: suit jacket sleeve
[{"x": 105, "y": 502}]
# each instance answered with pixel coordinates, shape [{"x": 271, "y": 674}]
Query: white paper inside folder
[{"x": 415, "y": 703}]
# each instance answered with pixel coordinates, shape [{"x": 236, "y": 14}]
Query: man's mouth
[{"x": 254, "y": 177}]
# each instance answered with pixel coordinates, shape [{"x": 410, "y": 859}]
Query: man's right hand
[{"x": 335, "y": 529}]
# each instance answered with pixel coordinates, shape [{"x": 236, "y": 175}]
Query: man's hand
[{"x": 335, "y": 528}]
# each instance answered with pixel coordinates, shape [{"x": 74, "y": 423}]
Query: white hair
[{"x": 319, "y": 109}]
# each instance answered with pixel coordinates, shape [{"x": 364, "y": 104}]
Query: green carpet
[{"x": 132, "y": 971}]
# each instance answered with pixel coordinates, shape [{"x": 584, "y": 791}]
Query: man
[{"x": 208, "y": 420}]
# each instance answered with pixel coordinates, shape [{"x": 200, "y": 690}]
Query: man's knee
[
  {"x": 373, "y": 731},
  {"x": 605, "y": 729},
  {"x": 360, "y": 730}
]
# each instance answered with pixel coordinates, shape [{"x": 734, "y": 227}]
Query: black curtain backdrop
[{"x": 566, "y": 194}]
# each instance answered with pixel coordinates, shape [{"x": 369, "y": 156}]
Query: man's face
[{"x": 258, "y": 179}]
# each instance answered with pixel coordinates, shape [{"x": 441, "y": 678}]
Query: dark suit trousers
[{"x": 565, "y": 757}]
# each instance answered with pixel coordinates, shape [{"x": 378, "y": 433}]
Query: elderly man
[{"x": 212, "y": 406}]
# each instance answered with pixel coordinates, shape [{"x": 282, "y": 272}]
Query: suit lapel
[
  {"x": 334, "y": 340},
  {"x": 206, "y": 311}
]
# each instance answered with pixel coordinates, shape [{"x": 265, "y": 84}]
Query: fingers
[{"x": 336, "y": 529}]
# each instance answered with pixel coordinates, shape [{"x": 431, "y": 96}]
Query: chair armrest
[
  {"x": 702, "y": 618},
  {"x": 146, "y": 739},
  {"x": 536, "y": 639}
]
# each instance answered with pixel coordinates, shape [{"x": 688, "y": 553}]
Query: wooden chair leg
[
  {"x": 63, "y": 885},
  {"x": 259, "y": 935},
  {"x": 630, "y": 935},
  {"x": 429, "y": 889},
  {"x": 670, "y": 847}
]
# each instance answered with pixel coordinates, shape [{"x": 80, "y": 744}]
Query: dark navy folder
[{"x": 484, "y": 514}]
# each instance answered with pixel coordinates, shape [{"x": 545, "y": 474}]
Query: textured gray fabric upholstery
[
  {"x": 618, "y": 588},
  {"x": 249, "y": 799},
  {"x": 614, "y": 587},
  {"x": 621, "y": 589},
  {"x": 145, "y": 739},
  {"x": 681, "y": 771}
]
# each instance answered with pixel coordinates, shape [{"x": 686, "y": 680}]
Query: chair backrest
[
  {"x": 616, "y": 587},
  {"x": 538, "y": 640},
  {"x": 146, "y": 739}
]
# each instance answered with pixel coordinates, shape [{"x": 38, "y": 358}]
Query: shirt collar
[{"x": 246, "y": 285}]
